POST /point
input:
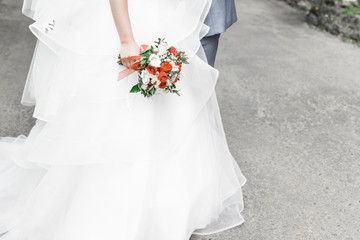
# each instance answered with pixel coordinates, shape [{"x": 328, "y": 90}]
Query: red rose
[
  {"x": 152, "y": 70},
  {"x": 163, "y": 77},
  {"x": 165, "y": 67},
  {"x": 176, "y": 79},
  {"x": 162, "y": 85},
  {"x": 173, "y": 51},
  {"x": 149, "y": 85}
]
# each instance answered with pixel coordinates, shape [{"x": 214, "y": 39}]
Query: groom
[{"x": 221, "y": 16}]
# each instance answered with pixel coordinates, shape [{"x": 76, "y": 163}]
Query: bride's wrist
[{"x": 128, "y": 41}]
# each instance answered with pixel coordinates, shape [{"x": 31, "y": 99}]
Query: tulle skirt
[{"x": 102, "y": 163}]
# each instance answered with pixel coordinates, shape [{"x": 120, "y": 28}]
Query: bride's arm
[{"x": 122, "y": 21}]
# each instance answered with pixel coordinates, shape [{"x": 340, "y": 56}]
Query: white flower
[
  {"x": 157, "y": 83},
  {"x": 145, "y": 75},
  {"x": 175, "y": 68},
  {"x": 153, "y": 79},
  {"x": 163, "y": 47},
  {"x": 155, "y": 60},
  {"x": 144, "y": 86}
]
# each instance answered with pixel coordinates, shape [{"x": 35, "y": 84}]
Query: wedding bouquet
[{"x": 159, "y": 69}]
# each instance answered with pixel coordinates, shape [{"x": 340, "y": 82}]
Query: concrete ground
[{"x": 290, "y": 102}]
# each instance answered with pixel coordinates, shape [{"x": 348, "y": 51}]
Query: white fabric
[
  {"x": 87, "y": 27},
  {"x": 94, "y": 167}
]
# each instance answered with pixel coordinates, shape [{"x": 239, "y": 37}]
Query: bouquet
[{"x": 159, "y": 69}]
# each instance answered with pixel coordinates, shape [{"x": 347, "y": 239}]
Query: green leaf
[
  {"x": 184, "y": 60},
  {"x": 147, "y": 51},
  {"x": 135, "y": 89}
]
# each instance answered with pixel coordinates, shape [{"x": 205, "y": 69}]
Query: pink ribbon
[{"x": 133, "y": 67}]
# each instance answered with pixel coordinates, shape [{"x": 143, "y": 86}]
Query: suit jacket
[{"x": 221, "y": 16}]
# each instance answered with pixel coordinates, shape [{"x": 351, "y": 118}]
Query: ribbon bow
[{"x": 133, "y": 67}]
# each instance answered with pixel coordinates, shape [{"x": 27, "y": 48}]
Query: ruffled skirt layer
[{"x": 195, "y": 190}]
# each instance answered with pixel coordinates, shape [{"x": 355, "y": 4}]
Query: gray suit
[{"x": 221, "y": 16}]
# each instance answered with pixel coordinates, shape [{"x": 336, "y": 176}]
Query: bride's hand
[{"x": 129, "y": 49}]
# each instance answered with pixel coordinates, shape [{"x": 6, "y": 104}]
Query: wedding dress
[{"x": 101, "y": 163}]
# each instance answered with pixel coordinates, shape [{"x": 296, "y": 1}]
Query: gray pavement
[{"x": 290, "y": 103}]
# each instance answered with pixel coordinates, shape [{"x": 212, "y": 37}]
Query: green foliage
[
  {"x": 135, "y": 89},
  {"x": 310, "y": 25},
  {"x": 354, "y": 10}
]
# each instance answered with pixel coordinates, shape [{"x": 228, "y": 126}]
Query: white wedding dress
[{"x": 102, "y": 163}]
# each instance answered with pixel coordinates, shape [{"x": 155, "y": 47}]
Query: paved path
[{"x": 290, "y": 102}]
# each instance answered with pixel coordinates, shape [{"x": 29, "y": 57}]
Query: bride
[{"x": 103, "y": 163}]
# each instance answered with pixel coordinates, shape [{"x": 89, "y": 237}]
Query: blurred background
[{"x": 289, "y": 93}]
